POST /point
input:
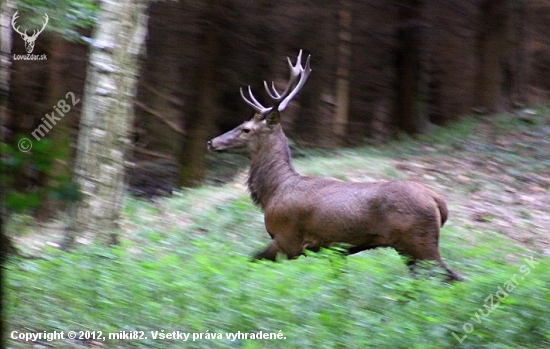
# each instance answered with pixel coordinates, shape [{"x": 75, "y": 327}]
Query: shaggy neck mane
[{"x": 270, "y": 167}]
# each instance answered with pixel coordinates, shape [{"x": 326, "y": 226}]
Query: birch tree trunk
[
  {"x": 6, "y": 8},
  {"x": 107, "y": 117},
  {"x": 6, "y": 11}
]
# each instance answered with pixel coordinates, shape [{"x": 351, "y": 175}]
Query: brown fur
[{"x": 309, "y": 212}]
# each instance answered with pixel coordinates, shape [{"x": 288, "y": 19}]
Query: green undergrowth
[
  {"x": 206, "y": 286},
  {"x": 183, "y": 265}
]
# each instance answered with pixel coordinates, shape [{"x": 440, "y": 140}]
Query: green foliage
[
  {"x": 20, "y": 202},
  {"x": 369, "y": 306},
  {"x": 65, "y": 16},
  {"x": 20, "y": 173},
  {"x": 197, "y": 277},
  {"x": 183, "y": 265}
]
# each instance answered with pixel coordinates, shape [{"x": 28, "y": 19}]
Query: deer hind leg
[
  {"x": 291, "y": 244},
  {"x": 425, "y": 251},
  {"x": 451, "y": 275},
  {"x": 270, "y": 253},
  {"x": 411, "y": 264}
]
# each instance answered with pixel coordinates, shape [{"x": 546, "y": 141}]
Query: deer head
[
  {"x": 29, "y": 40},
  {"x": 249, "y": 135}
]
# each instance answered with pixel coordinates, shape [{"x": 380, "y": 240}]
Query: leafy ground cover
[{"x": 183, "y": 261}]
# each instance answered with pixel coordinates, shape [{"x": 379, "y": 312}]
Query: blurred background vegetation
[{"x": 451, "y": 93}]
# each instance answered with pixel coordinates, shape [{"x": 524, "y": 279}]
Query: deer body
[{"x": 309, "y": 212}]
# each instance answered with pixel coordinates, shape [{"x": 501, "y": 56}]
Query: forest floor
[
  {"x": 494, "y": 172},
  {"x": 182, "y": 264}
]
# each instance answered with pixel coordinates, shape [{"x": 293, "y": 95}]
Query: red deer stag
[{"x": 309, "y": 213}]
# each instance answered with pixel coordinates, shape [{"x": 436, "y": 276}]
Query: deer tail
[{"x": 442, "y": 206}]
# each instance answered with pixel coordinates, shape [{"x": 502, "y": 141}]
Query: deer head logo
[{"x": 29, "y": 40}]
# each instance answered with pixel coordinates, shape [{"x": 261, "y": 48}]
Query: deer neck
[{"x": 270, "y": 168}]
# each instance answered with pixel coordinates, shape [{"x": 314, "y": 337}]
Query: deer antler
[
  {"x": 44, "y": 26},
  {"x": 34, "y": 34},
  {"x": 296, "y": 71},
  {"x": 281, "y": 100},
  {"x": 13, "y": 19},
  {"x": 257, "y": 106}
]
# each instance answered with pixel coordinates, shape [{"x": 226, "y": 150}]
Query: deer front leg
[
  {"x": 290, "y": 244},
  {"x": 291, "y": 247},
  {"x": 270, "y": 253}
]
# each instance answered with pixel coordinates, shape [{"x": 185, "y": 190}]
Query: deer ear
[{"x": 273, "y": 118}]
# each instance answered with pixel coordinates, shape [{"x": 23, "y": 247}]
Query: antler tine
[
  {"x": 304, "y": 71},
  {"x": 254, "y": 103},
  {"x": 281, "y": 100},
  {"x": 254, "y": 98},
  {"x": 295, "y": 71},
  {"x": 45, "y": 23},
  {"x": 35, "y": 33},
  {"x": 13, "y": 20},
  {"x": 254, "y": 106},
  {"x": 273, "y": 94},
  {"x": 274, "y": 89}
]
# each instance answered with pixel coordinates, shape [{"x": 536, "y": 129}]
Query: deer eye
[{"x": 246, "y": 130}]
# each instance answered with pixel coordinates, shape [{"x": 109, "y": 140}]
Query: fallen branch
[
  {"x": 153, "y": 112},
  {"x": 154, "y": 153}
]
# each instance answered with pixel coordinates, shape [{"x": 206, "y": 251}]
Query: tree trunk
[
  {"x": 107, "y": 117},
  {"x": 6, "y": 9},
  {"x": 342, "y": 71},
  {"x": 60, "y": 170},
  {"x": 200, "y": 120},
  {"x": 491, "y": 47},
  {"x": 160, "y": 102},
  {"x": 3, "y": 255},
  {"x": 409, "y": 104}
]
